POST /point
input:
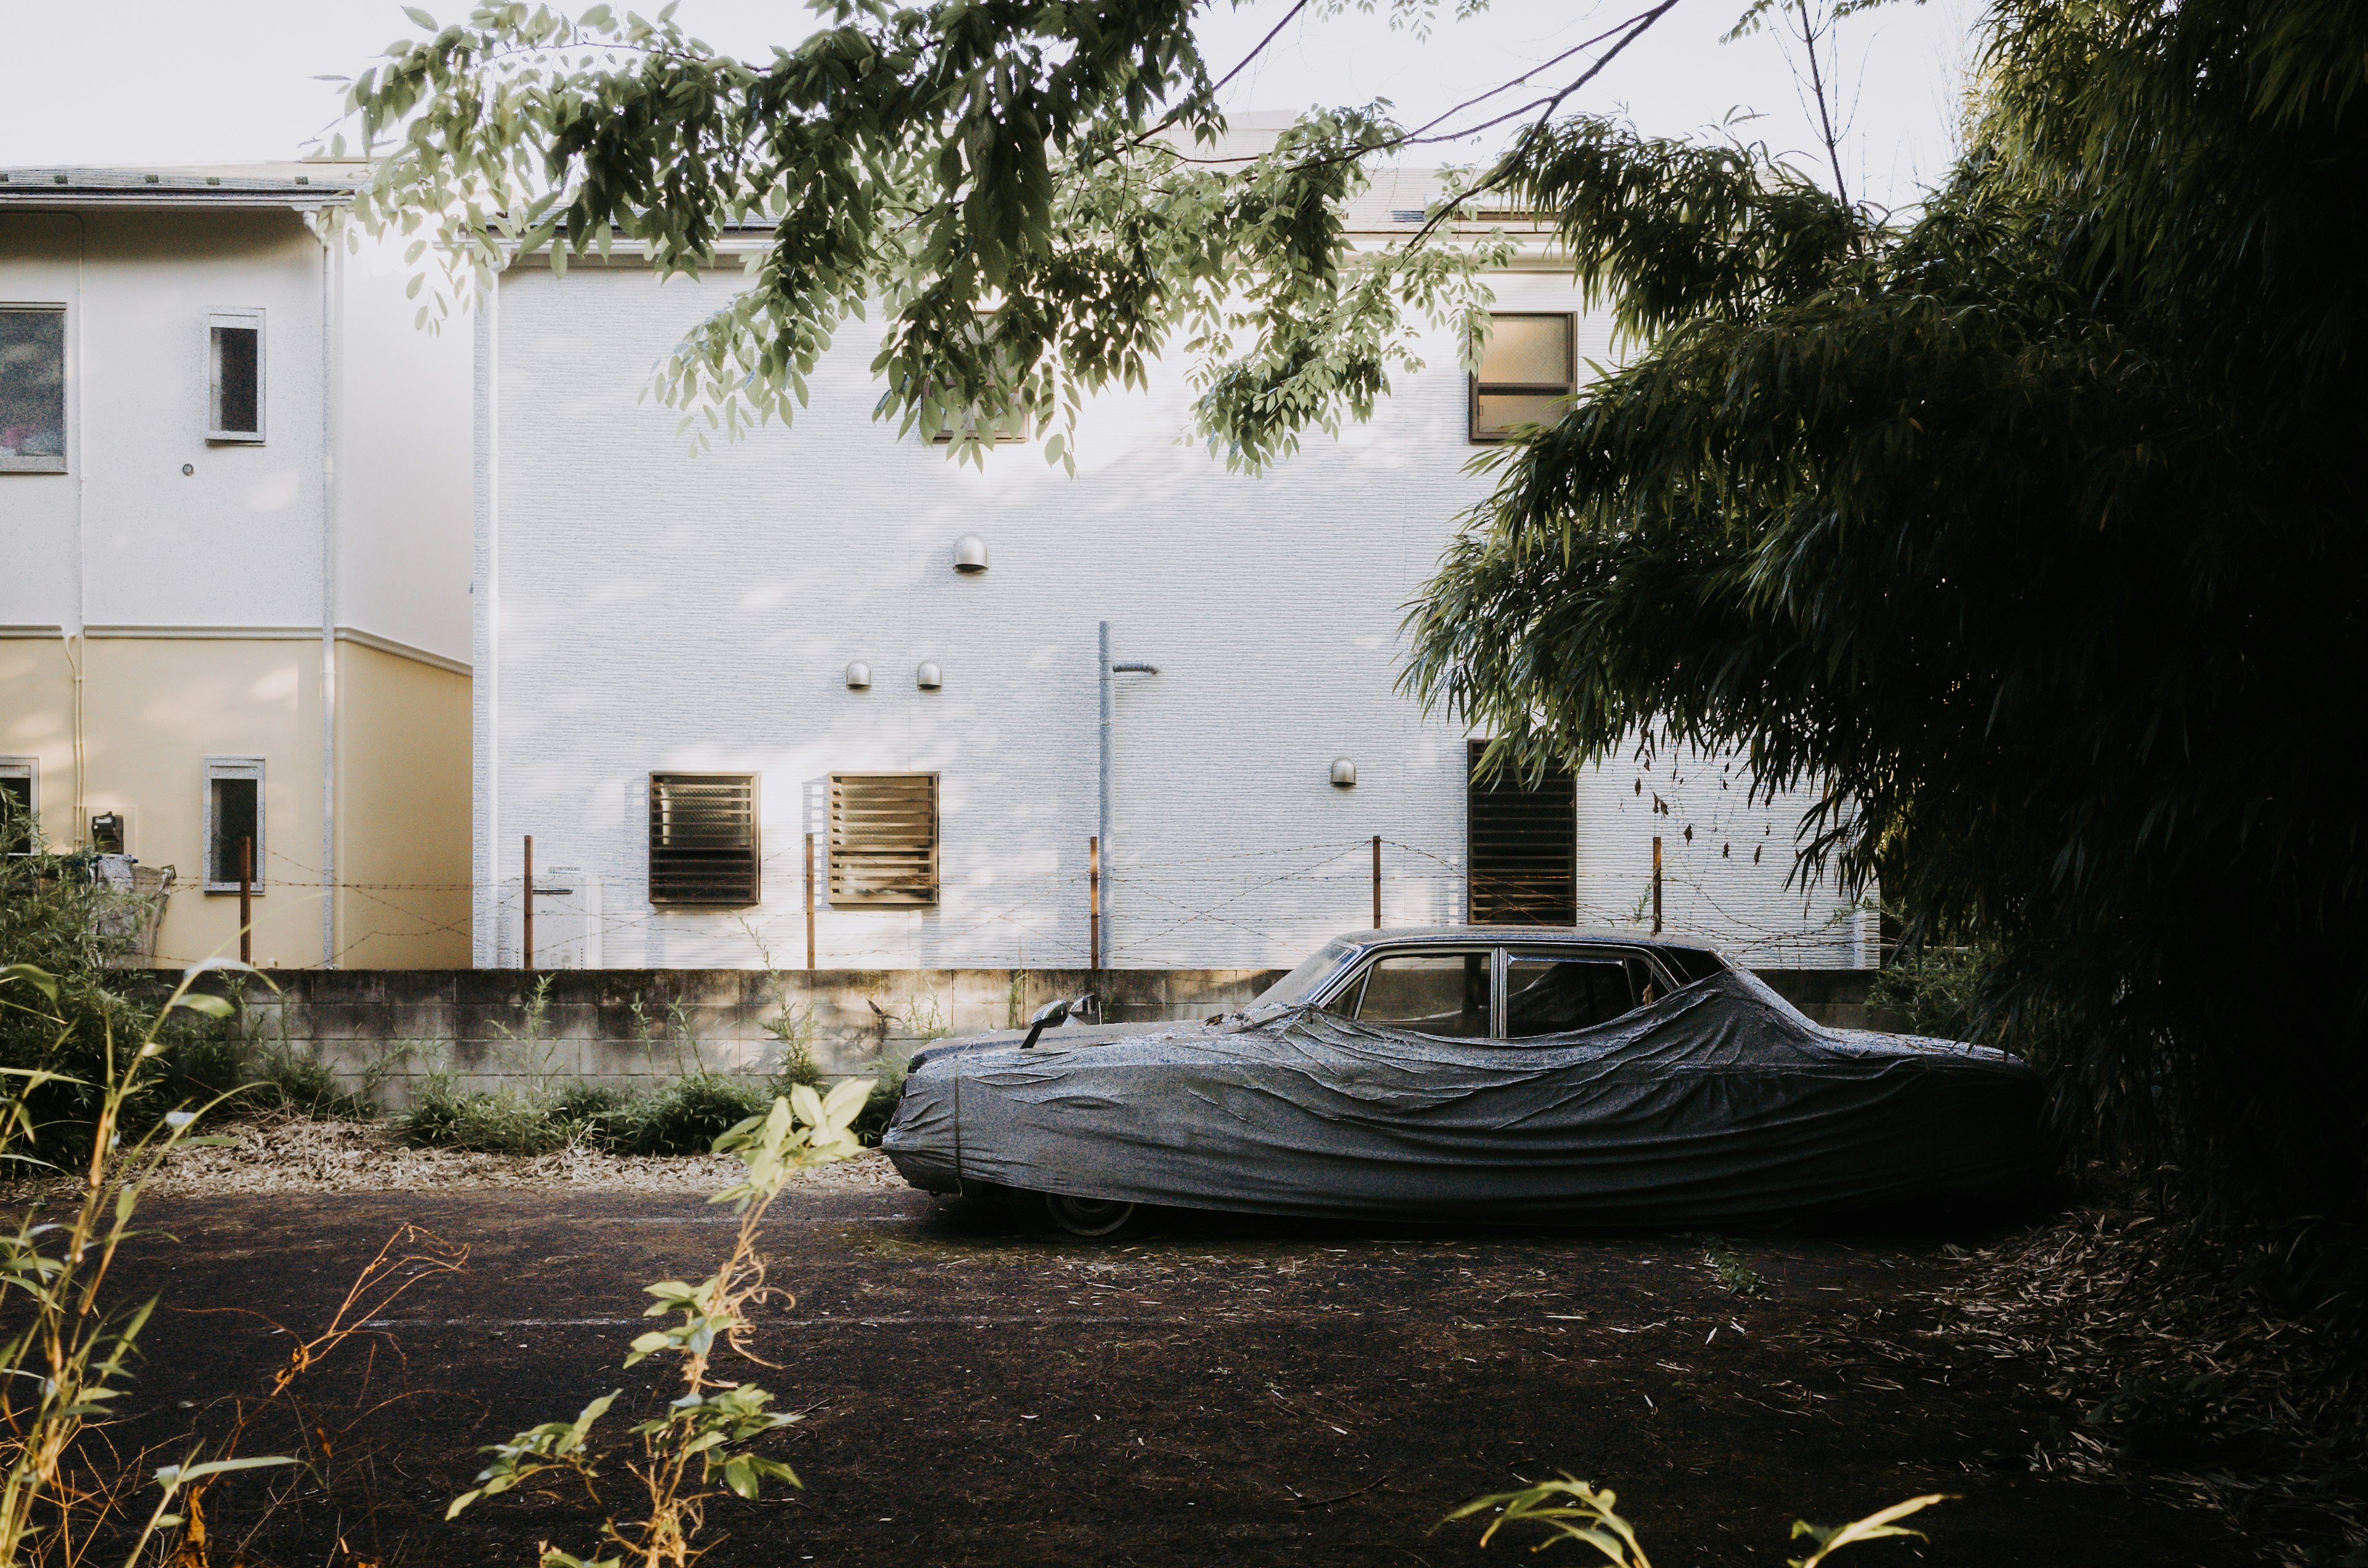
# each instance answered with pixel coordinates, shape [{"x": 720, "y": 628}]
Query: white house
[
  {"x": 234, "y": 559},
  {"x": 693, "y": 672}
]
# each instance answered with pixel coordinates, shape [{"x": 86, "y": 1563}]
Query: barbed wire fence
[{"x": 1263, "y": 907}]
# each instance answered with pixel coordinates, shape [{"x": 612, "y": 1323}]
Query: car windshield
[{"x": 1302, "y": 984}]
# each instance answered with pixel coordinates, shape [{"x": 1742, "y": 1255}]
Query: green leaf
[
  {"x": 173, "y": 1475},
  {"x": 33, "y": 975}
]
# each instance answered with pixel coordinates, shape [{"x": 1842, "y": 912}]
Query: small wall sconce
[
  {"x": 1344, "y": 772},
  {"x": 928, "y": 677},
  {"x": 970, "y": 555},
  {"x": 859, "y": 677}
]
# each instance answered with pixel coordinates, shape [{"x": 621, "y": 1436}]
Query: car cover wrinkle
[{"x": 1719, "y": 1103}]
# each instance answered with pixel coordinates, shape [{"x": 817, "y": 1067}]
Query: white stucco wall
[{"x": 643, "y": 609}]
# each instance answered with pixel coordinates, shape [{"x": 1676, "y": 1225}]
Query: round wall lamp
[
  {"x": 859, "y": 677},
  {"x": 928, "y": 677},
  {"x": 970, "y": 555},
  {"x": 1344, "y": 772}
]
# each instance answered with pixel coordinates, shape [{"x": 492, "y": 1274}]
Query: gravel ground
[{"x": 301, "y": 1155}]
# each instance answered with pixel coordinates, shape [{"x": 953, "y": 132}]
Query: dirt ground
[{"x": 1225, "y": 1390}]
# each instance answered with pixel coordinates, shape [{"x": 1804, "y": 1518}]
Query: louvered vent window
[
  {"x": 883, "y": 838},
  {"x": 703, "y": 845},
  {"x": 1522, "y": 847}
]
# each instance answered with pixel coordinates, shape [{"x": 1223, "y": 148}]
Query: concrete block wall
[{"x": 389, "y": 1030}]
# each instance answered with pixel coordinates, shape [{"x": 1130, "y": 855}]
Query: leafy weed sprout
[
  {"x": 1737, "y": 1276},
  {"x": 1574, "y": 1510},
  {"x": 704, "y": 1443}
]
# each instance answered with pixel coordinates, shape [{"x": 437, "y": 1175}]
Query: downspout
[
  {"x": 1110, "y": 708},
  {"x": 485, "y": 901},
  {"x": 332, "y": 302},
  {"x": 76, "y": 644}
]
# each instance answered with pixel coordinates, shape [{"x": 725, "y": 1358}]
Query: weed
[
  {"x": 300, "y": 1083},
  {"x": 71, "y": 1344},
  {"x": 871, "y": 1122},
  {"x": 1736, "y": 1276},
  {"x": 686, "y": 1116},
  {"x": 1571, "y": 1509},
  {"x": 707, "y": 1435},
  {"x": 506, "y": 1121}
]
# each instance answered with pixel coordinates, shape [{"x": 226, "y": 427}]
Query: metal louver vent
[
  {"x": 703, "y": 847},
  {"x": 1522, "y": 847},
  {"x": 883, "y": 838}
]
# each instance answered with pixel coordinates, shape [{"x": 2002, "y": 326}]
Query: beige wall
[
  {"x": 154, "y": 709},
  {"x": 403, "y": 813}
]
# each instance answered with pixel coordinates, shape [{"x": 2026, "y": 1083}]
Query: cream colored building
[{"x": 234, "y": 559}]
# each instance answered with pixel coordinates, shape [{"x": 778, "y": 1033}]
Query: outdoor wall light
[
  {"x": 928, "y": 677},
  {"x": 859, "y": 677},
  {"x": 1344, "y": 772},
  {"x": 970, "y": 555}
]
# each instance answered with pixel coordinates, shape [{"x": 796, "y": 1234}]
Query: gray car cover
[{"x": 1718, "y": 1104}]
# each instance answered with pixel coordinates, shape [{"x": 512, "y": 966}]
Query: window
[
  {"x": 20, "y": 800},
  {"x": 235, "y": 376},
  {"x": 1527, "y": 374},
  {"x": 1442, "y": 994},
  {"x": 1017, "y": 428},
  {"x": 33, "y": 389},
  {"x": 884, "y": 839},
  {"x": 704, "y": 842},
  {"x": 1548, "y": 993},
  {"x": 233, "y": 816},
  {"x": 1521, "y": 848}
]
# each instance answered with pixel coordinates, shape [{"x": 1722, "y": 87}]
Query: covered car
[{"x": 1511, "y": 1076}]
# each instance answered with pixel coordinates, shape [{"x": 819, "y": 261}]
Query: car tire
[{"x": 1086, "y": 1219}]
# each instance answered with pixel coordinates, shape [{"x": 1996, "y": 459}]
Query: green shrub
[
  {"x": 871, "y": 1123},
  {"x": 54, "y": 916},
  {"x": 301, "y": 1085},
  {"x": 687, "y": 1116},
  {"x": 503, "y": 1122}
]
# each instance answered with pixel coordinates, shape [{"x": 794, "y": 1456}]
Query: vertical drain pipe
[
  {"x": 1098, "y": 939},
  {"x": 332, "y": 308},
  {"x": 1109, "y": 866}
]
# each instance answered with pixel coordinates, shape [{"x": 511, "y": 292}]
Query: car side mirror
[{"x": 1053, "y": 1013}]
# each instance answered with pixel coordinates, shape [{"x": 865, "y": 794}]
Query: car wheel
[{"x": 1089, "y": 1219}]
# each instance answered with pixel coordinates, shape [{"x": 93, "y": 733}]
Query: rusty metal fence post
[
  {"x": 810, "y": 920},
  {"x": 525, "y": 898},
  {"x": 1377, "y": 881},
  {"x": 1657, "y": 884}
]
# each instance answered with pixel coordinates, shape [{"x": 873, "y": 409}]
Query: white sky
[{"x": 199, "y": 81}]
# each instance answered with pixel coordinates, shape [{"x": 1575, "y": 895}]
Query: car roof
[{"x": 1499, "y": 935}]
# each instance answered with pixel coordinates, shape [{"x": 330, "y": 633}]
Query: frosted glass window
[
  {"x": 33, "y": 388},
  {"x": 1527, "y": 374},
  {"x": 235, "y": 376}
]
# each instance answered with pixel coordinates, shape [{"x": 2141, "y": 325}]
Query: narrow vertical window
[
  {"x": 33, "y": 389},
  {"x": 1522, "y": 846},
  {"x": 19, "y": 779},
  {"x": 1526, "y": 375},
  {"x": 235, "y": 376},
  {"x": 703, "y": 839},
  {"x": 233, "y": 818}
]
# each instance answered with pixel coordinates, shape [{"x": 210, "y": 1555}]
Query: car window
[
  {"x": 1310, "y": 978},
  {"x": 1444, "y": 994},
  {"x": 1548, "y": 993}
]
